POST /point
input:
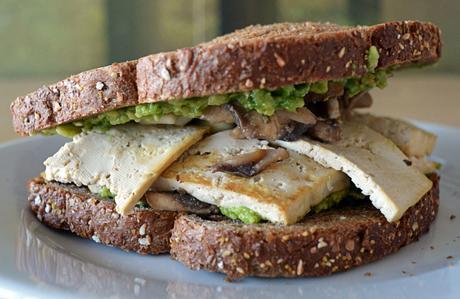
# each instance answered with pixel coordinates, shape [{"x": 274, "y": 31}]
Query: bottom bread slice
[
  {"x": 68, "y": 207},
  {"x": 320, "y": 244}
]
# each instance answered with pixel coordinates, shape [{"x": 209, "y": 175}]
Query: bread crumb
[
  {"x": 449, "y": 257},
  {"x": 452, "y": 217},
  {"x": 432, "y": 247},
  {"x": 368, "y": 274}
]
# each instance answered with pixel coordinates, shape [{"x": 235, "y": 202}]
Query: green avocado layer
[
  {"x": 244, "y": 214},
  {"x": 265, "y": 102},
  {"x": 105, "y": 193},
  {"x": 330, "y": 201}
]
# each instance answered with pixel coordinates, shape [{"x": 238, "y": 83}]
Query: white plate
[{"x": 42, "y": 263}]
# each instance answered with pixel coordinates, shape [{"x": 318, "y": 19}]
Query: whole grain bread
[
  {"x": 321, "y": 244},
  {"x": 255, "y": 57},
  {"x": 68, "y": 207},
  {"x": 79, "y": 96},
  {"x": 275, "y": 55}
]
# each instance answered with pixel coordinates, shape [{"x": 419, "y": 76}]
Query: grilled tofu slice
[
  {"x": 126, "y": 159},
  {"x": 374, "y": 164},
  {"x": 413, "y": 141},
  {"x": 282, "y": 193}
]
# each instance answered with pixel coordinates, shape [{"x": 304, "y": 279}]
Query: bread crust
[
  {"x": 255, "y": 57},
  {"x": 321, "y": 244},
  {"x": 67, "y": 207},
  {"x": 79, "y": 96},
  {"x": 280, "y": 54}
]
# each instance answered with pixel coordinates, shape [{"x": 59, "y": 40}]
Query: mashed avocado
[
  {"x": 265, "y": 102},
  {"x": 241, "y": 213},
  {"x": 105, "y": 193},
  {"x": 330, "y": 201},
  {"x": 372, "y": 58},
  {"x": 354, "y": 86}
]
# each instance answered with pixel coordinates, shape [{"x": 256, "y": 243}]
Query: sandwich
[{"x": 247, "y": 155}]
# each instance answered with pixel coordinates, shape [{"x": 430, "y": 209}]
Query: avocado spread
[
  {"x": 105, "y": 193},
  {"x": 330, "y": 201},
  {"x": 264, "y": 101},
  {"x": 244, "y": 214},
  {"x": 372, "y": 58}
]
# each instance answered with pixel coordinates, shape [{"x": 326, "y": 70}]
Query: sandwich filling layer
[
  {"x": 283, "y": 192},
  {"x": 374, "y": 164},
  {"x": 122, "y": 162},
  {"x": 323, "y": 101},
  {"x": 249, "y": 179}
]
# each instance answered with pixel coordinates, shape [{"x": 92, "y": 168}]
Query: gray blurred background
[{"x": 42, "y": 41}]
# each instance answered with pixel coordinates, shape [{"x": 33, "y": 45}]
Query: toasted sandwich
[{"x": 245, "y": 155}]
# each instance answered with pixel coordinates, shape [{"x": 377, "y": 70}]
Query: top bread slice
[{"x": 258, "y": 56}]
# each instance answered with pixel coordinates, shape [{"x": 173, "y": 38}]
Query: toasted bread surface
[
  {"x": 79, "y": 96},
  {"x": 321, "y": 244},
  {"x": 67, "y": 207},
  {"x": 268, "y": 56},
  {"x": 276, "y": 55}
]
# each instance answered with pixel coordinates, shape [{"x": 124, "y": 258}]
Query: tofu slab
[
  {"x": 413, "y": 141},
  {"x": 282, "y": 193},
  {"x": 374, "y": 164},
  {"x": 126, "y": 159}
]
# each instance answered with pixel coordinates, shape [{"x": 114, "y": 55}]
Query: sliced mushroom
[
  {"x": 252, "y": 163},
  {"x": 301, "y": 115},
  {"x": 272, "y": 156},
  {"x": 326, "y": 131},
  {"x": 179, "y": 202},
  {"x": 329, "y": 109},
  {"x": 362, "y": 100},
  {"x": 334, "y": 90},
  {"x": 333, "y": 108},
  {"x": 282, "y": 125},
  {"x": 293, "y": 130},
  {"x": 237, "y": 134},
  {"x": 253, "y": 124},
  {"x": 217, "y": 114}
]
